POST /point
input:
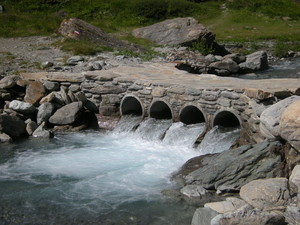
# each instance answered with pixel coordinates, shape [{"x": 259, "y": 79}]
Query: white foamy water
[
  {"x": 127, "y": 123},
  {"x": 218, "y": 139},
  {"x": 185, "y": 135},
  {"x": 152, "y": 129},
  {"x": 90, "y": 173}
]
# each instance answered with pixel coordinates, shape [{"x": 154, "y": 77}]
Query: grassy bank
[{"x": 234, "y": 21}]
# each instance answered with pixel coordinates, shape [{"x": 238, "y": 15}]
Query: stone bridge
[{"x": 161, "y": 91}]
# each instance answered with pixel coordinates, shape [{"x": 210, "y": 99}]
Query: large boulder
[
  {"x": 45, "y": 112},
  {"x": 267, "y": 194},
  {"x": 22, "y": 107},
  {"x": 270, "y": 117},
  {"x": 248, "y": 215},
  {"x": 255, "y": 62},
  {"x": 41, "y": 132},
  {"x": 176, "y": 31},
  {"x": 12, "y": 125},
  {"x": 34, "y": 92},
  {"x": 67, "y": 114},
  {"x": 235, "y": 168},
  {"x": 289, "y": 124},
  {"x": 80, "y": 30},
  {"x": 225, "y": 64}
]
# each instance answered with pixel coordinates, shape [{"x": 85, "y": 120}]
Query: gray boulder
[
  {"x": 254, "y": 62},
  {"x": 270, "y": 117},
  {"x": 247, "y": 215},
  {"x": 51, "y": 86},
  {"x": 30, "y": 126},
  {"x": 22, "y": 107},
  {"x": 236, "y": 167},
  {"x": 226, "y": 64},
  {"x": 74, "y": 60},
  {"x": 45, "y": 112},
  {"x": 67, "y": 114},
  {"x": 12, "y": 125},
  {"x": 203, "y": 216},
  {"x": 41, "y": 132},
  {"x": 289, "y": 125},
  {"x": 175, "y": 31},
  {"x": 267, "y": 194}
]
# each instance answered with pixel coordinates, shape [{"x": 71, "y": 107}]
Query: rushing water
[
  {"x": 185, "y": 135},
  {"x": 153, "y": 129},
  {"x": 127, "y": 123},
  {"x": 90, "y": 178},
  {"x": 218, "y": 139},
  {"x": 97, "y": 177}
]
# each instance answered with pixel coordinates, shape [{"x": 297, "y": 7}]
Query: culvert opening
[
  {"x": 160, "y": 110},
  {"x": 191, "y": 115},
  {"x": 226, "y": 119},
  {"x": 131, "y": 106}
]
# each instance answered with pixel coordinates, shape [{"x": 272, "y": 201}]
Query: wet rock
[
  {"x": 236, "y": 167},
  {"x": 44, "y": 112},
  {"x": 270, "y": 117},
  {"x": 289, "y": 124},
  {"x": 34, "y": 92},
  {"x": 12, "y": 125},
  {"x": 51, "y": 86},
  {"x": 22, "y": 107},
  {"x": 254, "y": 62},
  {"x": 4, "y": 138},
  {"x": 175, "y": 31},
  {"x": 9, "y": 81},
  {"x": 67, "y": 114},
  {"x": 267, "y": 194},
  {"x": 41, "y": 132},
  {"x": 192, "y": 191}
]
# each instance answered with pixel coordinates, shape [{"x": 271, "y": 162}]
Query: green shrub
[{"x": 203, "y": 47}]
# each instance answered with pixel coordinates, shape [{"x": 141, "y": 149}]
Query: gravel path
[{"x": 27, "y": 53}]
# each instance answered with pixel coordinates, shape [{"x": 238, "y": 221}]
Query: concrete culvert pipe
[
  {"x": 160, "y": 110},
  {"x": 131, "y": 105},
  {"x": 226, "y": 119},
  {"x": 191, "y": 115}
]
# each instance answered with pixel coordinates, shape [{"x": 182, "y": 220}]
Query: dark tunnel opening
[
  {"x": 160, "y": 110},
  {"x": 191, "y": 115},
  {"x": 131, "y": 106},
  {"x": 226, "y": 119}
]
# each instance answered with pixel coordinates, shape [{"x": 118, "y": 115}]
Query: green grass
[
  {"x": 81, "y": 47},
  {"x": 242, "y": 21}
]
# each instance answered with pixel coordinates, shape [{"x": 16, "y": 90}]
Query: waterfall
[
  {"x": 218, "y": 139},
  {"x": 127, "y": 123},
  {"x": 182, "y": 134},
  {"x": 153, "y": 129}
]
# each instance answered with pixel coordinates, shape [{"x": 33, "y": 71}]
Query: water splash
[
  {"x": 218, "y": 139},
  {"x": 182, "y": 134},
  {"x": 153, "y": 129},
  {"x": 127, "y": 123}
]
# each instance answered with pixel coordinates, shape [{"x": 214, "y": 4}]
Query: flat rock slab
[{"x": 166, "y": 73}]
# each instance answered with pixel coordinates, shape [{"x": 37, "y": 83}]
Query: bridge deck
[{"x": 166, "y": 73}]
